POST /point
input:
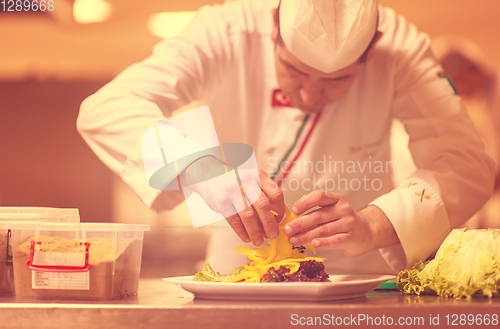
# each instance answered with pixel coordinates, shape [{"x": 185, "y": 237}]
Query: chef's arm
[
  {"x": 114, "y": 119},
  {"x": 383, "y": 233},
  {"x": 454, "y": 176}
]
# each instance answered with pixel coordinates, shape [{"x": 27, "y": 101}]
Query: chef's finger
[
  {"x": 249, "y": 218},
  {"x": 273, "y": 193},
  {"x": 340, "y": 210},
  {"x": 263, "y": 209},
  {"x": 237, "y": 225},
  {"x": 337, "y": 241},
  {"x": 238, "y": 204},
  {"x": 316, "y": 198},
  {"x": 321, "y": 231},
  {"x": 261, "y": 227},
  {"x": 264, "y": 232},
  {"x": 251, "y": 221},
  {"x": 309, "y": 221}
]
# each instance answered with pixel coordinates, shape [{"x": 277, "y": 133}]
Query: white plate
[{"x": 340, "y": 287}]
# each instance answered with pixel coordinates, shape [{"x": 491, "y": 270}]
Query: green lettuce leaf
[
  {"x": 467, "y": 264},
  {"x": 210, "y": 275}
]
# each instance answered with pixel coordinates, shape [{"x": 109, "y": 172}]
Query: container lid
[
  {"x": 8, "y": 215},
  {"x": 88, "y": 227}
]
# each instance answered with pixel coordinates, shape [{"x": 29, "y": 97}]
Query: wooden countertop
[{"x": 164, "y": 305}]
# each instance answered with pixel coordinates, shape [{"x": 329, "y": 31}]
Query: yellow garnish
[
  {"x": 280, "y": 252},
  {"x": 310, "y": 247}
]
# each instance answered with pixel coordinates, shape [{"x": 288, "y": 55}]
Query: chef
[{"x": 312, "y": 86}]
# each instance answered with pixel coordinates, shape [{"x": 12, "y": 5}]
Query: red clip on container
[
  {"x": 77, "y": 261},
  {"x": 10, "y": 215},
  {"x": 61, "y": 266}
]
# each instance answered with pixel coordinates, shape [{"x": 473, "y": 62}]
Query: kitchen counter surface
[{"x": 164, "y": 305}]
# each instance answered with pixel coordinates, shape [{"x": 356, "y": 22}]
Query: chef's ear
[
  {"x": 276, "y": 25},
  {"x": 371, "y": 51}
]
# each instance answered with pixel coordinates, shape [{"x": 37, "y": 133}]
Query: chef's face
[{"x": 307, "y": 88}]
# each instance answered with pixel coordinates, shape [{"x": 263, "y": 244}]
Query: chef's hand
[
  {"x": 252, "y": 223},
  {"x": 335, "y": 225}
]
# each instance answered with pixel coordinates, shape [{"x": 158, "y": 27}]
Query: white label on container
[
  {"x": 60, "y": 280},
  {"x": 59, "y": 259}
]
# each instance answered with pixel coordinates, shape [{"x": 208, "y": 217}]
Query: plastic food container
[
  {"x": 77, "y": 260},
  {"x": 9, "y": 215}
]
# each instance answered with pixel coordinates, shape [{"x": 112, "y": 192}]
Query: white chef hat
[{"x": 328, "y": 35}]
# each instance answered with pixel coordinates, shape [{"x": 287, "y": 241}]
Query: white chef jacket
[{"x": 225, "y": 56}]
